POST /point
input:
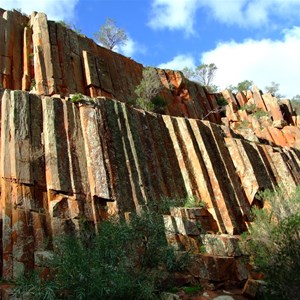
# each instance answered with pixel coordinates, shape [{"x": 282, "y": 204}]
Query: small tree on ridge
[
  {"x": 109, "y": 35},
  {"x": 204, "y": 74}
]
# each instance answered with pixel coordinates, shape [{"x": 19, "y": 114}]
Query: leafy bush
[
  {"x": 248, "y": 107},
  {"x": 221, "y": 101},
  {"x": 192, "y": 201},
  {"x": 33, "y": 287},
  {"x": 125, "y": 260},
  {"x": 159, "y": 103},
  {"x": 148, "y": 90},
  {"x": 77, "y": 98},
  {"x": 259, "y": 113},
  {"x": 274, "y": 243}
]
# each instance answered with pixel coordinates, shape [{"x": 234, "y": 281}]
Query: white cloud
[
  {"x": 181, "y": 14},
  {"x": 130, "y": 48},
  {"x": 173, "y": 14},
  {"x": 262, "y": 61},
  {"x": 252, "y": 13},
  {"x": 55, "y": 9},
  {"x": 179, "y": 62}
]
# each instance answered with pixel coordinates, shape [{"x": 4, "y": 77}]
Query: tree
[
  {"x": 273, "y": 88},
  {"x": 109, "y": 35},
  {"x": 242, "y": 86},
  {"x": 204, "y": 74},
  {"x": 148, "y": 90},
  {"x": 188, "y": 73},
  {"x": 296, "y": 98},
  {"x": 296, "y": 104}
]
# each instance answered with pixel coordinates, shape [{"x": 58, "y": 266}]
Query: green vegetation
[
  {"x": 259, "y": 113},
  {"x": 242, "y": 86},
  {"x": 125, "y": 260},
  {"x": 221, "y": 101},
  {"x": 110, "y": 36},
  {"x": 274, "y": 243},
  {"x": 192, "y": 289},
  {"x": 79, "y": 98},
  {"x": 71, "y": 27},
  {"x": 296, "y": 104},
  {"x": 254, "y": 110},
  {"x": 192, "y": 201},
  {"x": 248, "y": 107},
  {"x": 148, "y": 91},
  {"x": 204, "y": 74},
  {"x": 273, "y": 88}
]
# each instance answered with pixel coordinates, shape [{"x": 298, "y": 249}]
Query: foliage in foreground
[
  {"x": 124, "y": 261},
  {"x": 274, "y": 243}
]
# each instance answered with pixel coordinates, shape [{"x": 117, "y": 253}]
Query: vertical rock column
[
  {"x": 22, "y": 196},
  {"x": 12, "y": 24},
  {"x": 43, "y": 66}
]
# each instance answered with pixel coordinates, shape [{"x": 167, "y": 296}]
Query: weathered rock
[
  {"x": 217, "y": 268},
  {"x": 221, "y": 245},
  {"x": 61, "y": 161},
  {"x": 51, "y": 52},
  {"x": 253, "y": 288}
]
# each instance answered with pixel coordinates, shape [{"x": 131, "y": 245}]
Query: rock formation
[{"x": 64, "y": 161}]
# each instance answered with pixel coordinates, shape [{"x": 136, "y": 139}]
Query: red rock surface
[{"x": 61, "y": 161}]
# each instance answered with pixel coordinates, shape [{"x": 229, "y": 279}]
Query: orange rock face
[
  {"x": 61, "y": 161},
  {"x": 264, "y": 117},
  {"x": 48, "y": 58}
]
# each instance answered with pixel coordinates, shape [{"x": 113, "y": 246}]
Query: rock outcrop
[
  {"x": 48, "y": 58},
  {"x": 263, "y": 118},
  {"x": 62, "y": 162}
]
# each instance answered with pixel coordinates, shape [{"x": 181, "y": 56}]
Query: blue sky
[{"x": 257, "y": 40}]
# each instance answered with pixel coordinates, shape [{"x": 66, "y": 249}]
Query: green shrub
[
  {"x": 192, "y": 201},
  {"x": 33, "y": 287},
  {"x": 159, "y": 103},
  {"x": 259, "y": 113},
  {"x": 221, "y": 101},
  {"x": 144, "y": 104},
  {"x": 148, "y": 91},
  {"x": 77, "y": 98},
  {"x": 123, "y": 261},
  {"x": 192, "y": 289},
  {"x": 248, "y": 107},
  {"x": 274, "y": 243}
]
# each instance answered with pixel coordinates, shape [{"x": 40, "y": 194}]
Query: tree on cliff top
[
  {"x": 109, "y": 35},
  {"x": 273, "y": 88},
  {"x": 244, "y": 85},
  {"x": 204, "y": 74}
]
